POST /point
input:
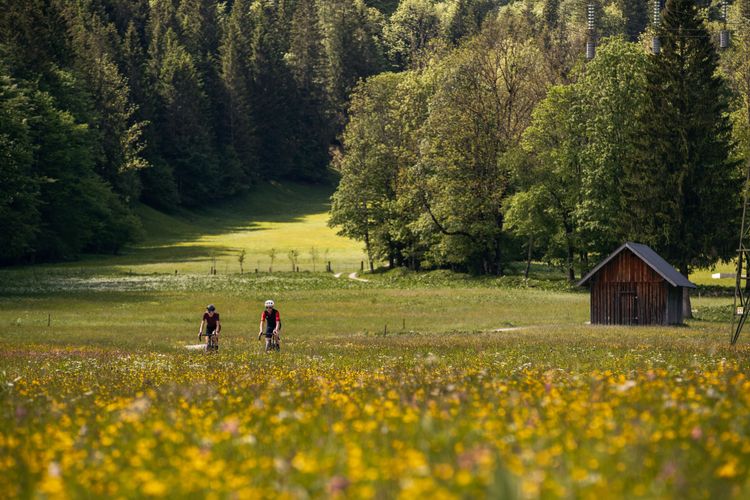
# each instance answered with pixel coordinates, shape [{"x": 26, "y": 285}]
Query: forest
[{"x": 463, "y": 134}]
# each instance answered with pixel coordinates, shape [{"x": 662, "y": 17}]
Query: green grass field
[
  {"x": 408, "y": 385},
  {"x": 274, "y": 216}
]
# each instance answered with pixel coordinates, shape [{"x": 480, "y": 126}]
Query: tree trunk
[
  {"x": 571, "y": 269},
  {"x": 367, "y": 247},
  {"x": 528, "y": 258},
  {"x": 571, "y": 252},
  {"x": 498, "y": 257},
  {"x": 687, "y": 308}
]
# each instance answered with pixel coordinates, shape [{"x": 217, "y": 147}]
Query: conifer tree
[
  {"x": 681, "y": 193},
  {"x": 636, "y": 17},
  {"x": 272, "y": 90},
  {"x": 133, "y": 62},
  {"x": 19, "y": 189},
  {"x": 307, "y": 64},
  {"x": 95, "y": 44},
  {"x": 199, "y": 32},
  {"x": 236, "y": 131},
  {"x": 351, "y": 37},
  {"x": 184, "y": 135},
  {"x": 468, "y": 17}
]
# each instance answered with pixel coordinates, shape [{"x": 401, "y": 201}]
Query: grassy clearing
[
  {"x": 274, "y": 216},
  {"x": 703, "y": 276}
]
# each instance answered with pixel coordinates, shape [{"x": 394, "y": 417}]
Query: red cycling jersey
[{"x": 271, "y": 318}]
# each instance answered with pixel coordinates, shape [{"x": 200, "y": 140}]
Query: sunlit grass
[
  {"x": 703, "y": 276},
  {"x": 273, "y": 216}
]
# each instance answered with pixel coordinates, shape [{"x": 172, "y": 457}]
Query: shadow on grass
[
  {"x": 169, "y": 236},
  {"x": 276, "y": 203}
]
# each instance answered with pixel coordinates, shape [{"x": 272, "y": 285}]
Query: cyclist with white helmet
[{"x": 270, "y": 324}]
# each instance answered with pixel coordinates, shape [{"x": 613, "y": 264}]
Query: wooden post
[
  {"x": 385, "y": 330},
  {"x": 403, "y": 325},
  {"x": 49, "y": 319},
  {"x": 361, "y": 266}
]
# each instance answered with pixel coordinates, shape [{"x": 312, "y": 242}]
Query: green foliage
[
  {"x": 54, "y": 205},
  {"x": 681, "y": 193},
  {"x": 185, "y": 141},
  {"x": 364, "y": 205},
  {"x": 613, "y": 91},
  {"x": 111, "y": 117},
  {"x": 410, "y": 30},
  {"x": 183, "y": 102},
  {"x": 351, "y": 40},
  {"x": 236, "y": 131},
  {"x": 467, "y": 17},
  {"x": 271, "y": 86},
  {"x": 80, "y": 212},
  {"x": 428, "y": 155},
  {"x": 309, "y": 67},
  {"x": 19, "y": 188},
  {"x": 636, "y": 13}
]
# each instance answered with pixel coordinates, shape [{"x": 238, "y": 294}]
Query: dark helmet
[{"x": 210, "y": 307}]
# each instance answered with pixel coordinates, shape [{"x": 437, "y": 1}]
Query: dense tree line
[
  {"x": 467, "y": 133},
  {"x": 171, "y": 102},
  {"x": 508, "y": 144}
]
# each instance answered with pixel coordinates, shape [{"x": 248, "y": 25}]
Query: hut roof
[{"x": 652, "y": 259}]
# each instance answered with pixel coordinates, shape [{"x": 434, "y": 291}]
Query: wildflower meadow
[{"x": 107, "y": 401}]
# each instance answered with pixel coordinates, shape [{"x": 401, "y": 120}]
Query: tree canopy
[{"x": 464, "y": 133}]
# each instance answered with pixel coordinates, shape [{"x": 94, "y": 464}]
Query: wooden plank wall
[
  {"x": 674, "y": 306},
  {"x": 627, "y": 291}
]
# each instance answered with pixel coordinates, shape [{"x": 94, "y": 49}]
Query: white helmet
[{"x": 269, "y": 303}]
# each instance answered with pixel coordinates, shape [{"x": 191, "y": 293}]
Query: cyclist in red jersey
[
  {"x": 270, "y": 324},
  {"x": 213, "y": 327}
]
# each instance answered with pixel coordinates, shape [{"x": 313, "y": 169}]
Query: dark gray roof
[{"x": 652, "y": 259}]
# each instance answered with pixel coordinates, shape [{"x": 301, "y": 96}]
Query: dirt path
[{"x": 352, "y": 276}]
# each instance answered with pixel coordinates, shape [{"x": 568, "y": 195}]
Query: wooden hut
[{"x": 635, "y": 286}]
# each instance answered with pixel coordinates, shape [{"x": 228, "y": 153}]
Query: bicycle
[
  {"x": 273, "y": 342},
  {"x": 212, "y": 343}
]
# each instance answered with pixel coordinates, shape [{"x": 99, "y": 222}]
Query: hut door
[{"x": 628, "y": 307}]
